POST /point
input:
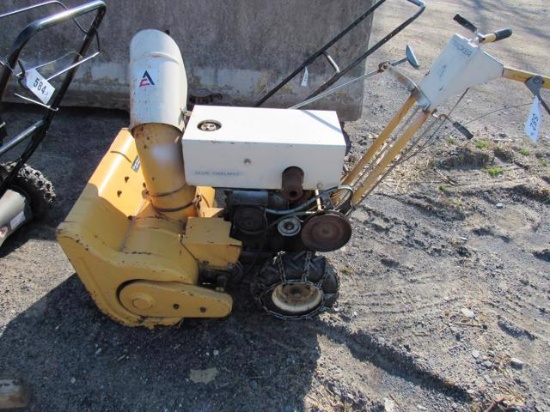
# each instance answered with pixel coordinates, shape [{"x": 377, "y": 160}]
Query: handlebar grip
[
  {"x": 465, "y": 23},
  {"x": 419, "y": 3},
  {"x": 496, "y": 36},
  {"x": 462, "y": 129}
]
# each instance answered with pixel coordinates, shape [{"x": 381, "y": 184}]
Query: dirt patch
[
  {"x": 465, "y": 158},
  {"x": 444, "y": 303}
]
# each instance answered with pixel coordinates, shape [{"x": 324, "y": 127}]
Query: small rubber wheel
[
  {"x": 34, "y": 185},
  {"x": 295, "y": 285}
]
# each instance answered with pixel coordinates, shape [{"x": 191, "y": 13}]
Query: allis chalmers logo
[{"x": 146, "y": 80}]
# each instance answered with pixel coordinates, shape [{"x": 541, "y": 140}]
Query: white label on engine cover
[
  {"x": 17, "y": 220},
  {"x": 39, "y": 85},
  {"x": 532, "y": 124}
]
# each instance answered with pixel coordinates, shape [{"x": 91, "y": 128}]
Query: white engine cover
[
  {"x": 253, "y": 146},
  {"x": 158, "y": 82}
]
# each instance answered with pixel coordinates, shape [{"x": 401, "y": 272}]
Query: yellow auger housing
[{"x": 139, "y": 235}]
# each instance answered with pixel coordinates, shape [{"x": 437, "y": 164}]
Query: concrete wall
[{"x": 238, "y": 48}]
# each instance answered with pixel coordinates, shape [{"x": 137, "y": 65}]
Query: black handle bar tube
[
  {"x": 468, "y": 25},
  {"x": 370, "y": 51},
  {"x": 319, "y": 52}
]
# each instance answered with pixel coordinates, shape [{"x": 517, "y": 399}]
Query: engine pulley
[
  {"x": 326, "y": 232},
  {"x": 250, "y": 220},
  {"x": 289, "y": 226}
]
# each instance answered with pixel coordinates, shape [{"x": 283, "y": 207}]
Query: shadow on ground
[{"x": 63, "y": 345}]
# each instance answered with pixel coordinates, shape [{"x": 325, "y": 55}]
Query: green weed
[
  {"x": 495, "y": 171},
  {"x": 482, "y": 144},
  {"x": 346, "y": 270}
]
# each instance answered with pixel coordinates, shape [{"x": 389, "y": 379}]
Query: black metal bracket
[{"x": 534, "y": 84}]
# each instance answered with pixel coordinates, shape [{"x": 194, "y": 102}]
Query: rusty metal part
[
  {"x": 326, "y": 232},
  {"x": 14, "y": 394},
  {"x": 293, "y": 180},
  {"x": 296, "y": 298}
]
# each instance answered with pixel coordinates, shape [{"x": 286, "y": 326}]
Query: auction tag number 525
[{"x": 39, "y": 85}]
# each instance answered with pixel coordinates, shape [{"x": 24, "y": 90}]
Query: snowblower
[{"x": 185, "y": 205}]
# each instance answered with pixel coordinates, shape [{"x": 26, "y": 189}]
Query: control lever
[
  {"x": 534, "y": 84},
  {"x": 482, "y": 38}
]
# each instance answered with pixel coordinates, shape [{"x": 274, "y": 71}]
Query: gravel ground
[{"x": 445, "y": 294}]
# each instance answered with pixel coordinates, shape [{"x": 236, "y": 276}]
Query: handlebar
[
  {"x": 495, "y": 36},
  {"x": 482, "y": 38},
  {"x": 465, "y": 23},
  {"x": 342, "y": 72}
]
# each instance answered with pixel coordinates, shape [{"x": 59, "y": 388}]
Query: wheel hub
[{"x": 296, "y": 297}]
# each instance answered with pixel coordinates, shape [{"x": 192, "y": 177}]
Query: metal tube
[
  {"x": 34, "y": 6},
  {"x": 522, "y": 76},
  {"x": 370, "y": 51},
  {"x": 319, "y": 52},
  {"x": 334, "y": 89},
  {"x": 14, "y": 141},
  {"x": 159, "y": 149},
  {"x": 350, "y": 178},
  {"x": 364, "y": 187}
]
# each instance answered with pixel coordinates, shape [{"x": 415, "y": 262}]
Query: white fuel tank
[{"x": 158, "y": 82}]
